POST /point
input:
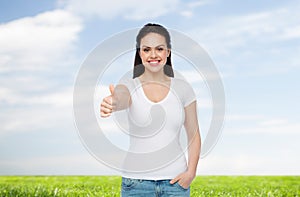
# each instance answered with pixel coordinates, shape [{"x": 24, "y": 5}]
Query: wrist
[{"x": 191, "y": 172}]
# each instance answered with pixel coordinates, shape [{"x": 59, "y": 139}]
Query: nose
[{"x": 153, "y": 54}]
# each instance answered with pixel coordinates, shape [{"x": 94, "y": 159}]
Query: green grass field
[{"x": 110, "y": 186}]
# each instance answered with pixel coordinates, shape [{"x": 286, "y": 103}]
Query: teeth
[{"x": 153, "y": 62}]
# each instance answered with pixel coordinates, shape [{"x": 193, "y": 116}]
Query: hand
[
  {"x": 184, "y": 179},
  {"x": 106, "y": 107}
]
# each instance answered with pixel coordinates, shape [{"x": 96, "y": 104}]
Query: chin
[{"x": 155, "y": 69}]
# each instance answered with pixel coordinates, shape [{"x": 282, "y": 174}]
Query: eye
[
  {"x": 146, "y": 49},
  {"x": 160, "y": 49}
]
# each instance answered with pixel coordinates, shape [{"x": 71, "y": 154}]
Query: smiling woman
[
  {"x": 155, "y": 163},
  {"x": 156, "y": 47}
]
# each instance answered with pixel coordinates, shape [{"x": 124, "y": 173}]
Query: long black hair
[{"x": 139, "y": 68}]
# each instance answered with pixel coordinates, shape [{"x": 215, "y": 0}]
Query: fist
[{"x": 106, "y": 107}]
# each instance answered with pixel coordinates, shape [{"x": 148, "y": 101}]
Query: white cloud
[
  {"x": 258, "y": 124},
  {"x": 186, "y": 13},
  {"x": 60, "y": 98},
  {"x": 37, "y": 114},
  {"x": 199, "y": 3},
  {"x": 80, "y": 164},
  {"x": 271, "y": 128},
  {"x": 247, "y": 163},
  {"x": 130, "y": 9},
  {"x": 187, "y": 9},
  {"x": 34, "y": 66},
  {"x": 274, "y": 122},
  {"x": 249, "y": 41},
  {"x": 38, "y": 42},
  {"x": 291, "y": 33},
  {"x": 237, "y": 117},
  {"x": 236, "y": 31},
  {"x": 254, "y": 145}
]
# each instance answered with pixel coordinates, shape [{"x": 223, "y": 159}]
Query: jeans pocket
[
  {"x": 179, "y": 186},
  {"x": 128, "y": 183}
]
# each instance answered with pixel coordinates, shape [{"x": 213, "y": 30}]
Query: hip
[{"x": 143, "y": 187}]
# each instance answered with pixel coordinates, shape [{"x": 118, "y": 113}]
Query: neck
[{"x": 159, "y": 77}]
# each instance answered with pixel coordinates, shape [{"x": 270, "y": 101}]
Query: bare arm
[
  {"x": 194, "y": 140},
  {"x": 121, "y": 98},
  {"x": 118, "y": 99}
]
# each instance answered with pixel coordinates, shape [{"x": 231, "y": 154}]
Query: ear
[
  {"x": 139, "y": 52},
  {"x": 169, "y": 51}
]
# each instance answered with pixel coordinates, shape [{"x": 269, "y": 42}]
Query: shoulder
[
  {"x": 184, "y": 91},
  {"x": 181, "y": 84}
]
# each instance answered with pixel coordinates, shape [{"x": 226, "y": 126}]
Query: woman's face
[{"x": 154, "y": 52}]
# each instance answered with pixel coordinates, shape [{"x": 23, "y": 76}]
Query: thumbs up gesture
[{"x": 106, "y": 107}]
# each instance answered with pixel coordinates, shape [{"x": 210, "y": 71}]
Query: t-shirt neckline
[{"x": 152, "y": 102}]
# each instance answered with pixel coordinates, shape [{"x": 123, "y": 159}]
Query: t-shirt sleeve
[{"x": 189, "y": 94}]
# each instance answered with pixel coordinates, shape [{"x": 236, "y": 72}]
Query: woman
[{"x": 153, "y": 84}]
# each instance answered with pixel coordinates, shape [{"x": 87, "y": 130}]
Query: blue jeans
[{"x": 152, "y": 188}]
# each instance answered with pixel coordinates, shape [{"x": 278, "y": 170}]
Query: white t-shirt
[{"x": 154, "y": 128}]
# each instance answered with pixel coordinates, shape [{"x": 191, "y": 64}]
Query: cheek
[
  {"x": 164, "y": 55},
  {"x": 143, "y": 55}
]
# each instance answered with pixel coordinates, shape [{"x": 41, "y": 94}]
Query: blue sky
[{"x": 255, "y": 46}]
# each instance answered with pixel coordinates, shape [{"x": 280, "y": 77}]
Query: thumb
[{"x": 111, "y": 89}]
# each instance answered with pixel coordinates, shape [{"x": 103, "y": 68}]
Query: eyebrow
[{"x": 154, "y": 47}]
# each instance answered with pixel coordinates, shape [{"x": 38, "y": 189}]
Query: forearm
[
  {"x": 121, "y": 98},
  {"x": 121, "y": 101},
  {"x": 193, "y": 136},
  {"x": 194, "y": 152},
  {"x": 194, "y": 142}
]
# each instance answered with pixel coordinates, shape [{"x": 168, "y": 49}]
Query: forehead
[{"x": 153, "y": 40}]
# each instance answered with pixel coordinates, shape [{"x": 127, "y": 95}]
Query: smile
[{"x": 154, "y": 62}]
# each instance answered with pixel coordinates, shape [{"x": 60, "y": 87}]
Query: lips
[{"x": 154, "y": 62}]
